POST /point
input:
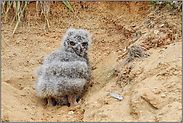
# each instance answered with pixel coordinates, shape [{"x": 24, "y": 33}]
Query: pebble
[
  {"x": 119, "y": 53},
  {"x": 163, "y": 96},
  {"x": 156, "y": 32},
  {"x": 71, "y": 112}
]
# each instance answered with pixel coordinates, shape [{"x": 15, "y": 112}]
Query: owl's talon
[
  {"x": 72, "y": 100},
  {"x": 51, "y": 102}
]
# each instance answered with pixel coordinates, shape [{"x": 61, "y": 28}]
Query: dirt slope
[{"x": 151, "y": 90}]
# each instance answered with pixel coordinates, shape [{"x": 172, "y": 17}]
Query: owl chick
[{"x": 66, "y": 72}]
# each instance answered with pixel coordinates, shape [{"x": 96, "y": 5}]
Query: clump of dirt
[{"x": 151, "y": 86}]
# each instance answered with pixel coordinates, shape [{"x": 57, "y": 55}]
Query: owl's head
[{"x": 77, "y": 41}]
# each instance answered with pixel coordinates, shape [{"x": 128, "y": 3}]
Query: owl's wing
[
  {"x": 73, "y": 69},
  {"x": 58, "y": 55}
]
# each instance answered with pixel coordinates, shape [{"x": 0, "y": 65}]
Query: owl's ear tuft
[
  {"x": 85, "y": 33},
  {"x": 70, "y": 31}
]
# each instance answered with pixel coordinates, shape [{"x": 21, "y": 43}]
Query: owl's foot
[
  {"x": 51, "y": 101},
  {"x": 72, "y": 100}
]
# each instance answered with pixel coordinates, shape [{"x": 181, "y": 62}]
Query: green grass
[
  {"x": 68, "y": 5},
  {"x": 107, "y": 75},
  {"x": 168, "y": 4},
  {"x": 18, "y": 17},
  {"x": 3, "y": 7},
  {"x": 154, "y": 3},
  {"x": 8, "y": 8}
]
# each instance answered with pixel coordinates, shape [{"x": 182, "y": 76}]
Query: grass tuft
[
  {"x": 18, "y": 21},
  {"x": 107, "y": 75},
  {"x": 8, "y": 8},
  {"x": 3, "y": 6},
  {"x": 16, "y": 7},
  {"x": 44, "y": 14},
  {"x": 169, "y": 4}
]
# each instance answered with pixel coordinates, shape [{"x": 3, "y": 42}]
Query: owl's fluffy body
[{"x": 65, "y": 71}]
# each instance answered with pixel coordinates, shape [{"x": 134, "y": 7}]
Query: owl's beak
[{"x": 78, "y": 51}]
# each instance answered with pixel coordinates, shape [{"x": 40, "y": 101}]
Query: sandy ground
[{"x": 151, "y": 87}]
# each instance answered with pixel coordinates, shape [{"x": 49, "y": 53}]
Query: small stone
[
  {"x": 119, "y": 53},
  {"x": 17, "y": 42},
  {"x": 156, "y": 32},
  {"x": 71, "y": 112},
  {"x": 163, "y": 96}
]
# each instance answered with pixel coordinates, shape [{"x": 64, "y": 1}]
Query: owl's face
[{"x": 77, "y": 41}]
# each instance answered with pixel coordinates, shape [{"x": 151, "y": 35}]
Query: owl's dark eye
[
  {"x": 84, "y": 44},
  {"x": 72, "y": 43}
]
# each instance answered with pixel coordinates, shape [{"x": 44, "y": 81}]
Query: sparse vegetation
[
  {"x": 107, "y": 75},
  {"x": 19, "y": 8},
  {"x": 169, "y": 4},
  {"x": 151, "y": 89}
]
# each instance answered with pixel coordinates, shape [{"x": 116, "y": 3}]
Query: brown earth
[{"x": 151, "y": 87}]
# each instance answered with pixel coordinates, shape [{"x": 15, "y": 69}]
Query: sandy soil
[{"x": 151, "y": 87}]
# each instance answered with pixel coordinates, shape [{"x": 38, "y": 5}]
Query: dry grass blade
[
  {"x": 17, "y": 8},
  {"x": 20, "y": 17},
  {"x": 37, "y": 3},
  {"x": 44, "y": 14}
]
